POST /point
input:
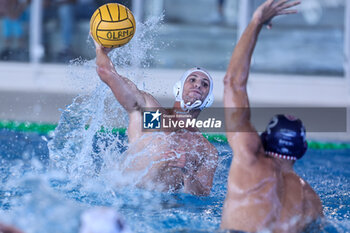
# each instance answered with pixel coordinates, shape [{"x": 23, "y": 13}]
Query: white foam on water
[{"x": 34, "y": 205}]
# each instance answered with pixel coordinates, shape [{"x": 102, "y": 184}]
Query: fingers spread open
[
  {"x": 287, "y": 12},
  {"x": 280, "y": 3},
  {"x": 288, "y": 4}
]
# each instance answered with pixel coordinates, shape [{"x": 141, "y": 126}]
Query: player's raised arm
[
  {"x": 106, "y": 29},
  {"x": 126, "y": 92},
  {"x": 236, "y": 102}
]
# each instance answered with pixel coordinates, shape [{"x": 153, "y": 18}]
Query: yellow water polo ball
[{"x": 112, "y": 25}]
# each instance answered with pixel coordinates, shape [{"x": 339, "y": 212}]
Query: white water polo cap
[
  {"x": 102, "y": 220},
  {"x": 198, "y": 104}
]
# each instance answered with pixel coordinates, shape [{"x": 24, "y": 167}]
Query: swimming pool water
[{"x": 37, "y": 198}]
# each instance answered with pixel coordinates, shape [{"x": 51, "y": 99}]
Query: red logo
[{"x": 291, "y": 117}]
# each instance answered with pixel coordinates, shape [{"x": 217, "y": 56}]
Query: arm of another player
[
  {"x": 8, "y": 229},
  {"x": 240, "y": 132},
  {"x": 126, "y": 92}
]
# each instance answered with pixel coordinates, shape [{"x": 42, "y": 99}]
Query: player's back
[
  {"x": 266, "y": 195},
  {"x": 300, "y": 204},
  {"x": 252, "y": 200}
]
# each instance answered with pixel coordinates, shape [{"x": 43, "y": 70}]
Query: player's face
[{"x": 196, "y": 87}]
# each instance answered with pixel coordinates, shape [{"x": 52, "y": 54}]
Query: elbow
[
  {"x": 205, "y": 189},
  {"x": 205, "y": 193},
  {"x": 103, "y": 73},
  {"x": 198, "y": 189},
  {"x": 201, "y": 193},
  {"x": 233, "y": 82},
  {"x": 228, "y": 80}
]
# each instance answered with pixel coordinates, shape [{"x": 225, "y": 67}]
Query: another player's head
[
  {"x": 285, "y": 138},
  {"x": 195, "y": 89}
]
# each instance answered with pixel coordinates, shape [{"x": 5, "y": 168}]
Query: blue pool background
[{"x": 38, "y": 199}]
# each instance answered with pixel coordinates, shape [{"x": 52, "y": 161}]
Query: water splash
[
  {"x": 32, "y": 203},
  {"x": 82, "y": 156},
  {"x": 78, "y": 147}
]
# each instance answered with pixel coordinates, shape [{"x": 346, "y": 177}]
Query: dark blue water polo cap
[{"x": 284, "y": 138}]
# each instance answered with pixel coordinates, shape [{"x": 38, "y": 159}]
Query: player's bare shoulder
[
  {"x": 313, "y": 204},
  {"x": 151, "y": 102}
]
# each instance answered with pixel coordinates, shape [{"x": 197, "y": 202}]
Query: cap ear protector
[
  {"x": 285, "y": 138},
  {"x": 178, "y": 90}
]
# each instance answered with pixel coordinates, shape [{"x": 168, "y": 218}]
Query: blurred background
[
  {"x": 303, "y": 60},
  {"x": 56, "y": 31}
]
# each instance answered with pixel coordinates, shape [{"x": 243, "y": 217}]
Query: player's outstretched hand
[{"x": 271, "y": 8}]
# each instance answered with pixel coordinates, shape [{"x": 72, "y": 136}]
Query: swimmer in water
[
  {"x": 182, "y": 160},
  {"x": 264, "y": 192}
]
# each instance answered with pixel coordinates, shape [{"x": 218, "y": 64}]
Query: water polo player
[
  {"x": 264, "y": 192},
  {"x": 181, "y": 160}
]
